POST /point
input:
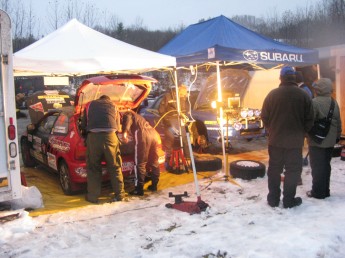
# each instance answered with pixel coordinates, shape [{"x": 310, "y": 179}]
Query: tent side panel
[{"x": 261, "y": 84}]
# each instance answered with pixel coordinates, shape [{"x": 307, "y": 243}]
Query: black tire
[
  {"x": 207, "y": 163},
  {"x": 247, "y": 169},
  {"x": 65, "y": 179},
  {"x": 26, "y": 156}
]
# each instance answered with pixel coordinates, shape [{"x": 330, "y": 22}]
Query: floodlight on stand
[
  {"x": 234, "y": 102},
  {"x": 216, "y": 104}
]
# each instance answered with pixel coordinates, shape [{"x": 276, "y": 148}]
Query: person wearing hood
[
  {"x": 287, "y": 114},
  {"x": 320, "y": 154},
  {"x": 146, "y": 150}
]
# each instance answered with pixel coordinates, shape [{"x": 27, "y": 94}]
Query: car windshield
[{"x": 234, "y": 82}]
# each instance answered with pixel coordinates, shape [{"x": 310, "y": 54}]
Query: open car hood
[
  {"x": 126, "y": 91},
  {"x": 234, "y": 82}
]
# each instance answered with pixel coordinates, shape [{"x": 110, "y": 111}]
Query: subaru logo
[{"x": 251, "y": 55}]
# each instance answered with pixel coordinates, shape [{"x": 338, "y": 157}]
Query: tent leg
[{"x": 221, "y": 115}]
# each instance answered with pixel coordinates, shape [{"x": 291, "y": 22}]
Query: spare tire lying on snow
[
  {"x": 207, "y": 163},
  {"x": 247, "y": 169}
]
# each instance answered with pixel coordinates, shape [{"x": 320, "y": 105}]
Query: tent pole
[
  {"x": 178, "y": 106},
  {"x": 220, "y": 100}
]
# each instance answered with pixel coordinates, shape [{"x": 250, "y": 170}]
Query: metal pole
[
  {"x": 193, "y": 163},
  {"x": 178, "y": 106},
  {"x": 221, "y": 118}
]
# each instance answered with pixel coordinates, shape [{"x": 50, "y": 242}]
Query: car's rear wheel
[
  {"x": 26, "y": 156},
  {"x": 65, "y": 179}
]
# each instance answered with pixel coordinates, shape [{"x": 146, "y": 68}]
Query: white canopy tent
[{"x": 75, "y": 49}]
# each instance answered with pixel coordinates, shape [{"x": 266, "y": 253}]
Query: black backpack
[{"x": 321, "y": 127}]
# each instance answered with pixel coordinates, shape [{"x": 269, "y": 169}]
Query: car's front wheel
[
  {"x": 26, "y": 156},
  {"x": 65, "y": 179}
]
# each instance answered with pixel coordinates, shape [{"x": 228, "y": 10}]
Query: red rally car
[{"x": 54, "y": 139}]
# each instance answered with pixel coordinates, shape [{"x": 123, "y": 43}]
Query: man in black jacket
[
  {"x": 101, "y": 121},
  {"x": 146, "y": 150},
  {"x": 287, "y": 114}
]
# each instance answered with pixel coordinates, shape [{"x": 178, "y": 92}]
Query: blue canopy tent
[
  {"x": 222, "y": 42},
  {"x": 220, "y": 39}
]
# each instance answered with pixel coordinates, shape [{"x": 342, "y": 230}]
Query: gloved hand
[{"x": 125, "y": 137}]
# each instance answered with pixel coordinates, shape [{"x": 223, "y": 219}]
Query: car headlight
[
  {"x": 237, "y": 126},
  {"x": 250, "y": 112},
  {"x": 244, "y": 113},
  {"x": 257, "y": 112}
]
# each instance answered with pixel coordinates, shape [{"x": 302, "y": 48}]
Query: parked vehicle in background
[
  {"x": 55, "y": 139},
  {"x": 239, "y": 122},
  {"x": 10, "y": 178}
]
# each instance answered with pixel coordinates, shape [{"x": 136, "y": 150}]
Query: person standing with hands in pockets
[
  {"x": 320, "y": 154},
  {"x": 287, "y": 114}
]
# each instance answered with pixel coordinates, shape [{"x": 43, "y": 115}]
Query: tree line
[{"x": 316, "y": 25}]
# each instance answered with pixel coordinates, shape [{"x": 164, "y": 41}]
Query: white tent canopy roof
[{"x": 75, "y": 49}]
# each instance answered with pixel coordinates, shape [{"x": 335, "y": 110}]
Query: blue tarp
[{"x": 220, "y": 39}]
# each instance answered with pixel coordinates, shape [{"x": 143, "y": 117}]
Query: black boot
[
  {"x": 293, "y": 203},
  {"x": 152, "y": 187},
  {"x": 137, "y": 191}
]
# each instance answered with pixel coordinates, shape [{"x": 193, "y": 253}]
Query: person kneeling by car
[{"x": 146, "y": 145}]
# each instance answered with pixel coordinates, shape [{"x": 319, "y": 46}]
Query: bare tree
[
  {"x": 6, "y": 6},
  {"x": 138, "y": 24},
  {"x": 91, "y": 15},
  {"x": 54, "y": 16}
]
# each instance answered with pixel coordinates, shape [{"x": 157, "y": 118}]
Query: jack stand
[
  {"x": 190, "y": 207},
  {"x": 177, "y": 161}
]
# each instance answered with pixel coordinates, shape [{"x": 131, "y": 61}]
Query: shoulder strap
[{"x": 331, "y": 111}]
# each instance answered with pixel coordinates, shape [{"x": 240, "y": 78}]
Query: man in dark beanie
[{"x": 287, "y": 114}]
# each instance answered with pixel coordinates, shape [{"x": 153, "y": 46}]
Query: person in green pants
[{"x": 101, "y": 121}]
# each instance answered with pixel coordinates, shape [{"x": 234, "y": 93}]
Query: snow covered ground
[{"x": 238, "y": 223}]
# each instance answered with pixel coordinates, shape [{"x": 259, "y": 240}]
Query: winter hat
[
  {"x": 323, "y": 87},
  {"x": 287, "y": 70}
]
